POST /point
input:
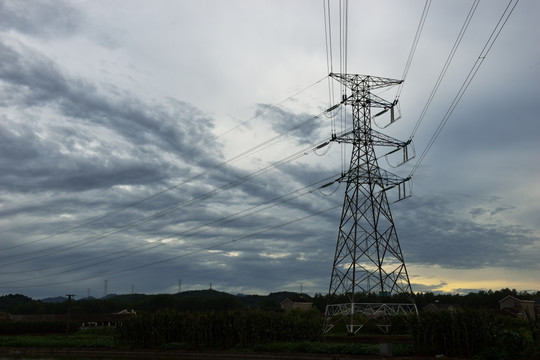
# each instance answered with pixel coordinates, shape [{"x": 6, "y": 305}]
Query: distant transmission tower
[{"x": 368, "y": 261}]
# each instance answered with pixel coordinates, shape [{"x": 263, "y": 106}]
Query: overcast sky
[{"x": 147, "y": 143}]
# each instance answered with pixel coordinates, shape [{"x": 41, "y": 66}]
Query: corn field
[
  {"x": 220, "y": 330},
  {"x": 464, "y": 333}
]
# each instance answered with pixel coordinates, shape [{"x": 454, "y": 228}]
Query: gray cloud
[
  {"x": 306, "y": 127},
  {"x": 95, "y": 140},
  {"x": 41, "y": 18}
]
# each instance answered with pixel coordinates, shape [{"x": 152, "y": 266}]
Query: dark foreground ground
[{"x": 80, "y": 354}]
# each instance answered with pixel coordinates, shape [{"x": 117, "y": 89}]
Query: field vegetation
[{"x": 221, "y": 322}]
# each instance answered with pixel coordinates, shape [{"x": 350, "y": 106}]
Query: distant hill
[
  {"x": 204, "y": 294},
  {"x": 205, "y": 300},
  {"x": 193, "y": 300},
  {"x": 124, "y": 297},
  {"x": 109, "y": 296},
  {"x": 52, "y": 300},
  {"x": 60, "y": 299}
]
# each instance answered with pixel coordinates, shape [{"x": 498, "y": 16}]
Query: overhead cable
[
  {"x": 167, "y": 189},
  {"x": 92, "y": 239},
  {"x": 212, "y": 247},
  {"x": 476, "y": 66},
  {"x": 414, "y": 46},
  {"x": 457, "y": 42},
  {"x": 75, "y": 244},
  {"x": 196, "y": 230}
]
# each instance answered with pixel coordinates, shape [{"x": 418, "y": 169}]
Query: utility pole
[
  {"x": 105, "y": 287},
  {"x": 368, "y": 258},
  {"x": 68, "y": 312}
]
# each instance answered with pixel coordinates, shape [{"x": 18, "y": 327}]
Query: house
[
  {"x": 523, "y": 309},
  {"x": 288, "y": 304},
  {"x": 126, "y": 312}
]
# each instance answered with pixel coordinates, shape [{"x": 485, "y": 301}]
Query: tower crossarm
[
  {"x": 380, "y": 139},
  {"x": 355, "y": 81},
  {"x": 368, "y": 99},
  {"x": 376, "y": 138},
  {"x": 390, "y": 180},
  {"x": 385, "y": 181},
  {"x": 378, "y": 102}
]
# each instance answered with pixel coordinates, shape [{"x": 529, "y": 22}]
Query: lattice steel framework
[{"x": 368, "y": 257}]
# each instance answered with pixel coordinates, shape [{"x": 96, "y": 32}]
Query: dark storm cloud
[
  {"x": 33, "y": 164},
  {"x": 256, "y": 256},
  {"x": 303, "y": 127},
  {"x": 145, "y": 131},
  {"x": 38, "y": 81},
  {"x": 40, "y": 18},
  {"x": 436, "y": 230},
  {"x": 100, "y": 140},
  {"x": 63, "y": 134},
  {"x": 17, "y": 144}
]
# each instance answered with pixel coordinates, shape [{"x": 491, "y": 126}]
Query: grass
[
  {"x": 327, "y": 348},
  {"x": 95, "y": 338},
  {"x": 105, "y": 339}
]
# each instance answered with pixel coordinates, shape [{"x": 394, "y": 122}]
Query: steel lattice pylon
[{"x": 368, "y": 258}]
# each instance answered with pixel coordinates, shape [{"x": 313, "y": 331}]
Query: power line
[
  {"x": 345, "y": 33},
  {"x": 313, "y": 149},
  {"x": 204, "y": 196},
  {"x": 212, "y": 247},
  {"x": 328, "y": 36},
  {"x": 476, "y": 66},
  {"x": 188, "y": 232},
  {"x": 446, "y": 65},
  {"x": 201, "y": 197},
  {"x": 218, "y": 166},
  {"x": 414, "y": 46},
  {"x": 161, "y": 213},
  {"x": 329, "y": 60}
]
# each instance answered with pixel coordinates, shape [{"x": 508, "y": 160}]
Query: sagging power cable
[
  {"x": 177, "y": 185},
  {"x": 449, "y": 59},
  {"x": 476, "y": 66},
  {"x": 413, "y": 47},
  {"x": 196, "y": 230},
  {"x": 212, "y": 247}
]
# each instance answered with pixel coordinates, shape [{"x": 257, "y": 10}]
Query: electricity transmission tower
[
  {"x": 105, "y": 287},
  {"x": 368, "y": 259}
]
